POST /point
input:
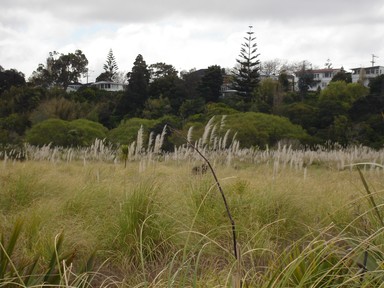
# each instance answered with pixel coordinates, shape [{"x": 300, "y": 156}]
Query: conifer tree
[
  {"x": 246, "y": 75},
  {"x": 132, "y": 102},
  {"x": 110, "y": 68}
]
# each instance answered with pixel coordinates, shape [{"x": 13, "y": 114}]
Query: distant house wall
[
  {"x": 364, "y": 75},
  {"x": 73, "y": 87},
  {"x": 109, "y": 86}
]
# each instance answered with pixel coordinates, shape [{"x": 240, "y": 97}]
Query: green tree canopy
[
  {"x": 376, "y": 85},
  {"x": 302, "y": 114},
  {"x": 162, "y": 70},
  {"x": 342, "y": 75},
  {"x": 344, "y": 92},
  {"x": 210, "y": 85},
  {"x": 132, "y": 102},
  {"x": 165, "y": 84},
  {"x": 9, "y": 78},
  {"x": 306, "y": 79},
  {"x": 60, "y": 70}
]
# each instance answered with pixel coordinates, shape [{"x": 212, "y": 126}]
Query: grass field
[{"x": 155, "y": 223}]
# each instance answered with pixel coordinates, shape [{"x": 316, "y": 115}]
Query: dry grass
[{"x": 180, "y": 232}]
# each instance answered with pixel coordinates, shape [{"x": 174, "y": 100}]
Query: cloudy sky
[{"x": 191, "y": 34}]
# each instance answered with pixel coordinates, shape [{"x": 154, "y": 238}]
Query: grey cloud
[{"x": 121, "y": 11}]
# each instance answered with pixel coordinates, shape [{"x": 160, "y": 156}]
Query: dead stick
[{"x": 220, "y": 189}]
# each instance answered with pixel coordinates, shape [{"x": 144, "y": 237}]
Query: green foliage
[
  {"x": 246, "y": 76},
  {"x": 165, "y": 84},
  {"x": 53, "y": 131},
  {"x": 210, "y": 86},
  {"x": 9, "y": 78},
  {"x": 343, "y": 92},
  {"x": 191, "y": 107},
  {"x": 110, "y": 67},
  {"x": 306, "y": 79},
  {"x": 142, "y": 232},
  {"x": 80, "y": 132},
  {"x": 137, "y": 91},
  {"x": 341, "y": 131},
  {"x": 376, "y": 85},
  {"x": 162, "y": 70},
  {"x": 12, "y": 128},
  {"x": 335, "y": 102},
  {"x": 342, "y": 76},
  {"x": 16, "y": 273},
  {"x": 218, "y": 109},
  {"x": 60, "y": 108},
  {"x": 284, "y": 82},
  {"x": 258, "y": 129},
  {"x": 87, "y": 131},
  {"x": 155, "y": 108},
  {"x": 268, "y": 95},
  {"x": 124, "y": 154},
  {"x": 61, "y": 69},
  {"x": 126, "y": 132},
  {"x": 302, "y": 114},
  {"x": 21, "y": 100},
  {"x": 19, "y": 191}
]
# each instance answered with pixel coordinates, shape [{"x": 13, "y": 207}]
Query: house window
[
  {"x": 105, "y": 86},
  {"x": 316, "y": 76}
]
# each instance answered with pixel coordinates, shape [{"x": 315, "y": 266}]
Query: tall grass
[{"x": 303, "y": 218}]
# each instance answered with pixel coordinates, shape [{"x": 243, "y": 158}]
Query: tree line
[{"x": 157, "y": 94}]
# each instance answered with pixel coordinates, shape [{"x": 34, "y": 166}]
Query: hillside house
[
  {"x": 364, "y": 75},
  {"x": 73, "y": 87},
  {"x": 109, "y": 86},
  {"x": 321, "y": 77}
]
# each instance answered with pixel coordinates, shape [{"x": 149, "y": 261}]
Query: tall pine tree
[
  {"x": 246, "y": 76},
  {"x": 110, "y": 68}
]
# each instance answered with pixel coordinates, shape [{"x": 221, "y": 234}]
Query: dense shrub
[
  {"x": 259, "y": 129},
  {"x": 59, "y": 132},
  {"x": 126, "y": 132}
]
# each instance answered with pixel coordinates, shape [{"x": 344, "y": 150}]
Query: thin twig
[
  {"x": 372, "y": 200},
  {"x": 220, "y": 189}
]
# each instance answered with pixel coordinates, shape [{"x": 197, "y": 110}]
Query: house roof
[
  {"x": 107, "y": 82},
  {"x": 369, "y": 67},
  {"x": 325, "y": 70}
]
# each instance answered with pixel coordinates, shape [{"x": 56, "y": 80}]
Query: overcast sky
[{"x": 191, "y": 34}]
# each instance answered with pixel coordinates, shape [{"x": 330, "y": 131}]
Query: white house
[
  {"x": 73, "y": 87},
  {"x": 322, "y": 77},
  {"x": 109, "y": 86},
  {"x": 364, "y": 75}
]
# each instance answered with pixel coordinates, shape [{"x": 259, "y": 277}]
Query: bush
[
  {"x": 258, "y": 129},
  {"x": 126, "y": 132},
  {"x": 59, "y": 132},
  {"x": 88, "y": 131}
]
